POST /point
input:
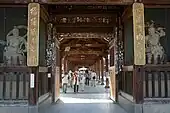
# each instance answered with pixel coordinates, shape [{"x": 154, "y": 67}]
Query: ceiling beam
[
  {"x": 84, "y": 29},
  {"x": 80, "y": 59},
  {"x": 85, "y": 35},
  {"x": 80, "y": 45},
  {"x": 89, "y": 2},
  {"x": 81, "y": 52}
]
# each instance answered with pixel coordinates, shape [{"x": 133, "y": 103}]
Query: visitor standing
[
  {"x": 93, "y": 79},
  {"x": 76, "y": 82},
  {"x": 65, "y": 82},
  {"x": 87, "y": 77}
]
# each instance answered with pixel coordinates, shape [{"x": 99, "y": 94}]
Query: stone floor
[{"x": 92, "y": 100}]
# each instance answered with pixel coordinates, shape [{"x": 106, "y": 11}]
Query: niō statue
[
  {"x": 15, "y": 46},
  {"x": 153, "y": 47}
]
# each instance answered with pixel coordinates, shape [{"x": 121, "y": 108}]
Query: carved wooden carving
[
  {"x": 85, "y": 19},
  {"x": 108, "y": 36}
]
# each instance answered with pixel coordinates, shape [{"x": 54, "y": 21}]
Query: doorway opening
[{"x": 85, "y": 33}]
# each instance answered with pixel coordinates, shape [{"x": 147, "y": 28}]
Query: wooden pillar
[
  {"x": 65, "y": 65},
  {"x": 139, "y": 51},
  {"x": 112, "y": 74},
  {"x": 98, "y": 69},
  {"x": 33, "y": 50},
  {"x": 107, "y": 71},
  {"x": 57, "y": 74},
  {"x": 60, "y": 70},
  {"x": 102, "y": 71}
]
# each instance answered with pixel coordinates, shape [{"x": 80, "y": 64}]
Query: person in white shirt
[
  {"x": 82, "y": 81},
  {"x": 93, "y": 79},
  {"x": 65, "y": 81}
]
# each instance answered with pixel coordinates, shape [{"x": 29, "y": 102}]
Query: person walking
[
  {"x": 65, "y": 81},
  {"x": 76, "y": 82},
  {"x": 93, "y": 79},
  {"x": 87, "y": 77},
  {"x": 82, "y": 82}
]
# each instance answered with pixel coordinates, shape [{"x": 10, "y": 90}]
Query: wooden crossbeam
[{"x": 80, "y": 45}]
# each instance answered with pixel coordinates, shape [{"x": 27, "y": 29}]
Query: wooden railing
[
  {"x": 126, "y": 80},
  {"x": 149, "y": 81},
  {"x": 156, "y": 81},
  {"x": 14, "y": 84}
]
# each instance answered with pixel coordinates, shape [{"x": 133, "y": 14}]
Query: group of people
[{"x": 78, "y": 79}]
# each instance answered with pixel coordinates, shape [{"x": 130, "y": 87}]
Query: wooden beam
[
  {"x": 80, "y": 59},
  {"x": 127, "y": 13},
  {"x": 85, "y": 35},
  {"x": 15, "y": 1},
  {"x": 84, "y": 29},
  {"x": 86, "y": 45},
  {"x": 156, "y": 2},
  {"x": 82, "y": 52},
  {"x": 89, "y": 2}
]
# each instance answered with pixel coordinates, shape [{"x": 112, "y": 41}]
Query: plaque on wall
[
  {"x": 139, "y": 34},
  {"x": 33, "y": 34}
]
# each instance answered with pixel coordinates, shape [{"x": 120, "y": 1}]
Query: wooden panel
[
  {"x": 139, "y": 34},
  {"x": 113, "y": 82},
  {"x": 57, "y": 83},
  {"x": 33, "y": 34}
]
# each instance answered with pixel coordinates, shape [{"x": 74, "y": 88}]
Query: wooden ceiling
[
  {"x": 84, "y": 51},
  {"x": 84, "y": 18},
  {"x": 85, "y": 29}
]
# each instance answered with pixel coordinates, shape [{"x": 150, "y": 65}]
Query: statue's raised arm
[
  {"x": 161, "y": 31},
  {"x": 24, "y": 27}
]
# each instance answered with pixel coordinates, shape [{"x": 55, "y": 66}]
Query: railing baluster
[
  {"x": 4, "y": 86},
  {"x": 156, "y": 84},
  {"x": 17, "y": 85},
  {"x": 150, "y": 83},
  {"x": 159, "y": 84},
  {"x": 24, "y": 85},
  {"x": 168, "y": 79},
  {"x": 153, "y": 84},
  {"x": 166, "y": 83},
  {"x": 146, "y": 84}
]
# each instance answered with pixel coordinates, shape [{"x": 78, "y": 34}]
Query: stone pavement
[
  {"x": 99, "y": 89},
  {"x": 93, "y": 100}
]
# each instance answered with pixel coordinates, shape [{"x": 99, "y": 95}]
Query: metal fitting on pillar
[{"x": 137, "y": 1}]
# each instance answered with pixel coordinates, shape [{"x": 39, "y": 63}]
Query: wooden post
[
  {"x": 33, "y": 86},
  {"x": 33, "y": 50},
  {"x": 60, "y": 70},
  {"x": 102, "y": 71},
  {"x": 107, "y": 70},
  {"x": 139, "y": 51}
]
